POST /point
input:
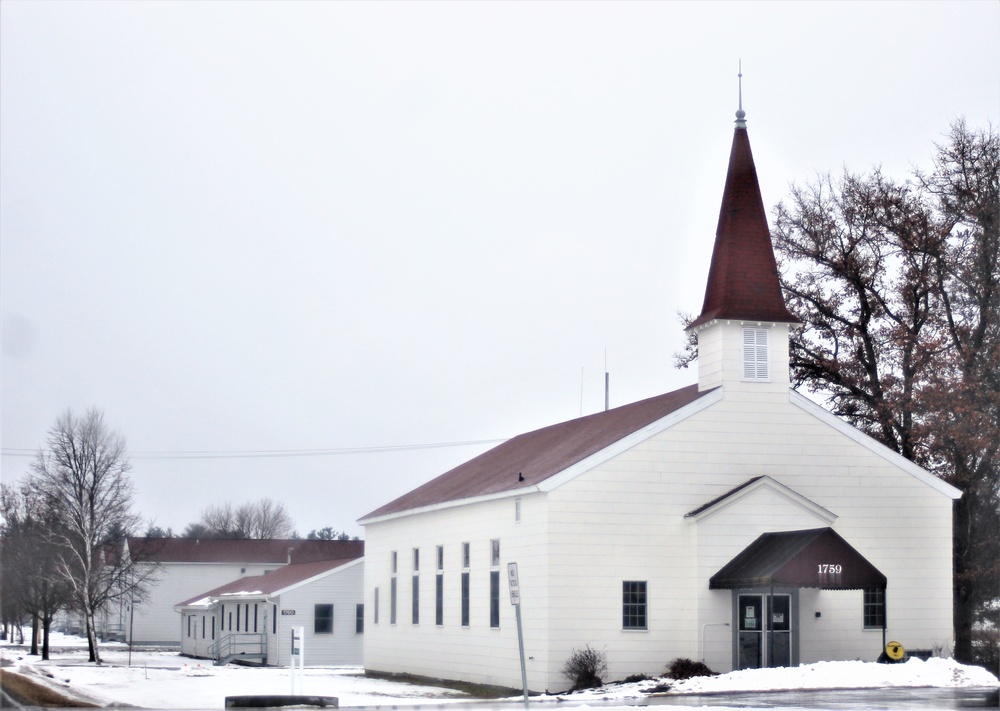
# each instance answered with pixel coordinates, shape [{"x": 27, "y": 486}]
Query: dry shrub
[
  {"x": 585, "y": 668},
  {"x": 686, "y": 669}
]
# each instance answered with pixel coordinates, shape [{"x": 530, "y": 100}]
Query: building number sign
[{"x": 830, "y": 569}]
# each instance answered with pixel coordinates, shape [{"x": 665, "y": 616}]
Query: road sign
[
  {"x": 513, "y": 585},
  {"x": 515, "y": 600}
]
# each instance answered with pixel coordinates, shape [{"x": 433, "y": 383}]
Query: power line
[{"x": 278, "y": 453}]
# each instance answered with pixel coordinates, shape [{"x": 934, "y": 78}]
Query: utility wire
[{"x": 278, "y": 453}]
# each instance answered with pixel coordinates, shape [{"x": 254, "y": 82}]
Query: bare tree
[
  {"x": 29, "y": 558},
  {"x": 898, "y": 284},
  {"x": 268, "y": 519},
  {"x": 219, "y": 521},
  {"x": 82, "y": 475},
  {"x": 255, "y": 519}
]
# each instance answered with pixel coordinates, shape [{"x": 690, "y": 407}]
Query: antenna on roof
[
  {"x": 607, "y": 383},
  {"x": 740, "y": 113}
]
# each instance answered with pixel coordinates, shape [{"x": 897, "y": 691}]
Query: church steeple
[
  {"x": 743, "y": 326},
  {"x": 743, "y": 278}
]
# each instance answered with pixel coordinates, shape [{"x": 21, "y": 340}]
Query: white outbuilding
[
  {"x": 252, "y": 619},
  {"x": 733, "y": 521},
  {"x": 183, "y": 567}
]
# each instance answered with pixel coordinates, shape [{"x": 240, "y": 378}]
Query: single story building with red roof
[
  {"x": 252, "y": 618},
  {"x": 733, "y": 521},
  {"x": 187, "y": 566}
]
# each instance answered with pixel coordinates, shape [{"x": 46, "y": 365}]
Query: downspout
[{"x": 885, "y": 615}]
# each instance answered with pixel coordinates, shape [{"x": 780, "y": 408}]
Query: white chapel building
[{"x": 732, "y": 521}]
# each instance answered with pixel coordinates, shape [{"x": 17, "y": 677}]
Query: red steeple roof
[{"x": 743, "y": 279}]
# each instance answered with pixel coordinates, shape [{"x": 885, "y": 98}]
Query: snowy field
[{"x": 166, "y": 680}]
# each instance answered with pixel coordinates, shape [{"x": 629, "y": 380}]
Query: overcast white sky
[{"x": 245, "y": 227}]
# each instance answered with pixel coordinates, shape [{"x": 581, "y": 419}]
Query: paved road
[{"x": 842, "y": 700}]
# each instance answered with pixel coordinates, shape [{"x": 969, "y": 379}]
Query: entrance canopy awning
[{"x": 816, "y": 558}]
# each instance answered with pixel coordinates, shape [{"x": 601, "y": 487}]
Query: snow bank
[
  {"x": 914, "y": 673},
  {"x": 941, "y": 673}
]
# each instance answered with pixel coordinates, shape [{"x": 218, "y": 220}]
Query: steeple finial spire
[
  {"x": 743, "y": 283},
  {"x": 740, "y": 113}
]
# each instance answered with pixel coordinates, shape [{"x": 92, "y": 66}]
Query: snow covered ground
[{"x": 166, "y": 680}]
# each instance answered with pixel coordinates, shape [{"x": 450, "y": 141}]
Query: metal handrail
[{"x": 238, "y": 643}]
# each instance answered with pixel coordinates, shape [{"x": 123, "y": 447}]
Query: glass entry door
[
  {"x": 764, "y": 631},
  {"x": 750, "y": 644}
]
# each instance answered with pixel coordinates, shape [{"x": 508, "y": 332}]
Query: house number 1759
[{"x": 830, "y": 569}]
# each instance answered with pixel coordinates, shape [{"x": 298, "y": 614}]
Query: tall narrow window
[
  {"x": 415, "y": 588},
  {"x": 755, "y": 360},
  {"x": 392, "y": 590},
  {"x": 274, "y": 619},
  {"x": 415, "y": 614},
  {"x": 495, "y": 583},
  {"x": 323, "y": 619},
  {"x": 255, "y": 617},
  {"x": 634, "y": 605},
  {"x": 439, "y": 588},
  {"x": 213, "y": 628},
  {"x": 375, "y": 611},
  {"x": 465, "y": 585},
  {"x": 222, "y": 619},
  {"x": 495, "y": 599},
  {"x": 874, "y": 608},
  {"x": 203, "y": 627},
  {"x": 439, "y": 599},
  {"x": 359, "y": 618}
]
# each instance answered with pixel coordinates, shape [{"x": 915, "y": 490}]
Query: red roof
[
  {"x": 221, "y": 550},
  {"x": 272, "y": 582},
  {"x": 743, "y": 278},
  {"x": 529, "y": 459}
]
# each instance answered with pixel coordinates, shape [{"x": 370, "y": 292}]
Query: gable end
[{"x": 845, "y": 428}]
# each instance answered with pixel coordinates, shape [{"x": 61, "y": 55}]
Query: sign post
[
  {"x": 515, "y": 599},
  {"x": 297, "y": 656}
]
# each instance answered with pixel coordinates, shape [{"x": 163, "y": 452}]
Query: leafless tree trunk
[
  {"x": 28, "y": 559},
  {"x": 83, "y": 477}
]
